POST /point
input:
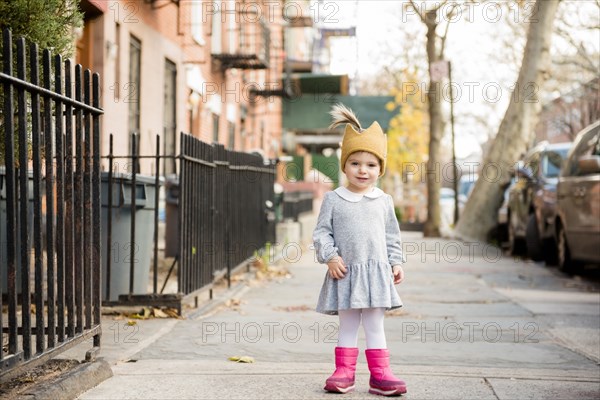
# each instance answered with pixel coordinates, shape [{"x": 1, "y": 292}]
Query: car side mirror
[{"x": 588, "y": 165}]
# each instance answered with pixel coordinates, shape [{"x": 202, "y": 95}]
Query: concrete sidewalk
[{"x": 476, "y": 325}]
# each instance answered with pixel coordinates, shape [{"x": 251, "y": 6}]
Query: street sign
[{"x": 439, "y": 70}]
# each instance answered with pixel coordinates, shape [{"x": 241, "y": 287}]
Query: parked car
[
  {"x": 446, "y": 208},
  {"x": 502, "y": 221},
  {"x": 466, "y": 184},
  {"x": 532, "y": 201},
  {"x": 578, "y": 193}
]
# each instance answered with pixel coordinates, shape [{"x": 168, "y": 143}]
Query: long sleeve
[
  {"x": 323, "y": 234},
  {"x": 392, "y": 236}
]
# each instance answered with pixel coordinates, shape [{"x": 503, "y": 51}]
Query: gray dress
[{"x": 364, "y": 231}]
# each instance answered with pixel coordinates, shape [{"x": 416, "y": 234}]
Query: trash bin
[
  {"x": 3, "y": 221},
  {"x": 172, "y": 211},
  {"x": 121, "y": 247}
]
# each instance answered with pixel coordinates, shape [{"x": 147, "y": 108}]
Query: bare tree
[
  {"x": 516, "y": 129},
  {"x": 435, "y": 46}
]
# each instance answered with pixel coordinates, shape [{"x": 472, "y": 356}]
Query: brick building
[
  {"x": 212, "y": 69},
  {"x": 562, "y": 118}
]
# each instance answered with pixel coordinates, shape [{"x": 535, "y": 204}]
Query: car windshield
[{"x": 553, "y": 161}]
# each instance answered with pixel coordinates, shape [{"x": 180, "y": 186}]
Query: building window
[
  {"x": 216, "y": 32},
  {"x": 231, "y": 128},
  {"x": 215, "y": 123},
  {"x": 132, "y": 88},
  {"x": 116, "y": 52},
  {"x": 233, "y": 26},
  {"x": 196, "y": 27},
  {"x": 170, "y": 115}
]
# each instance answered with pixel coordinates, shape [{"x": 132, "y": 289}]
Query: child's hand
[
  {"x": 337, "y": 268},
  {"x": 398, "y": 274}
]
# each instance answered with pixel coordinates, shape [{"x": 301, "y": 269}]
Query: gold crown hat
[{"x": 372, "y": 139}]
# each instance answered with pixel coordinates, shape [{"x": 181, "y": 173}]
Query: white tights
[{"x": 372, "y": 320}]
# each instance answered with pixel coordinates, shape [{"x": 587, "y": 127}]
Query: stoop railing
[{"x": 50, "y": 290}]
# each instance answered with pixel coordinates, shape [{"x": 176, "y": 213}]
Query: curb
[
  {"x": 210, "y": 306},
  {"x": 235, "y": 291},
  {"x": 73, "y": 383}
]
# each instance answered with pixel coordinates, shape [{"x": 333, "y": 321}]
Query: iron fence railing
[
  {"x": 217, "y": 216},
  {"x": 296, "y": 203},
  {"x": 224, "y": 202},
  {"x": 54, "y": 304},
  {"x": 103, "y": 226}
]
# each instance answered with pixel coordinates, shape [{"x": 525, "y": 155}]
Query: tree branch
[
  {"x": 443, "y": 44},
  {"x": 414, "y": 6},
  {"x": 422, "y": 15}
]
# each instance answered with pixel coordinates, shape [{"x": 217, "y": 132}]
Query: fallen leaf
[
  {"x": 171, "y": 312},
  {"x": 158, "y": 313},
  {"x": 243, "y": 359},
  {"x": 131, "y": 322},
  {"x": 145, "y": 313},
  {"x": 233, "y": 302}
]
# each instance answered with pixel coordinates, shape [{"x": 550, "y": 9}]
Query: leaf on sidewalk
[
  {"x": 243, "y": 359},
  {"x": 158, "y": 313},
  {"x": 145, "y": 313},
  {"x": 233, "y": 302},
  {"x": 272, "y": 272},
  {"x": 172, "y": 313}
]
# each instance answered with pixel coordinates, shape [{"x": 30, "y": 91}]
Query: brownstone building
[{"x": 209, "y": 68}]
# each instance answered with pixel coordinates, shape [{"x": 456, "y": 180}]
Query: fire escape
[{"x": 247, "y": 45}]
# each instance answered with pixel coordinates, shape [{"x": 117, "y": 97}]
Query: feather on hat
[{"x": 372, "y": 139}]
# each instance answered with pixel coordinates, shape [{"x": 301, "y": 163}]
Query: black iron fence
[
  {"x": 50, "y": 152},
  {"x": 224, "y": 204},
  {"x": 217, "y": 218},
  {"x": 296, "y": 203},
  {"x": 66, "y": 226}
]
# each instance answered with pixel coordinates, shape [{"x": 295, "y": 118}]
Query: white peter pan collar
[{"x": 348, "y": 195}]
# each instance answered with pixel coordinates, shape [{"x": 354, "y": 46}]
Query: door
[{"x": 579, "y": 199}]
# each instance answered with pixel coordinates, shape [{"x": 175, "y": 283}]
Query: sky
[{"x": 474, "y": 46}]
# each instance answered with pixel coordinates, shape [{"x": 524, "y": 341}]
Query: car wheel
[
  {"x": 515, "y": 245},
  {"x": 502, "y": 235},
  {"x": 532, "y": 238},
  {"x": 550, "y": 252},
  {"x": 564, "y": 261}
]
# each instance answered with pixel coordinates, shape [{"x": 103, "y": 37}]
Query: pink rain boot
[
  {"x": 383, "y": 381},
  {"x": 342, "y": 380}
]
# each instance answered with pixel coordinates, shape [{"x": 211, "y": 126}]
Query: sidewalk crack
[{"x": 489, "y": 384}]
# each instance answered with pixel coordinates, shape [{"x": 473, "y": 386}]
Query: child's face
[{"x": 362, "y": 170}]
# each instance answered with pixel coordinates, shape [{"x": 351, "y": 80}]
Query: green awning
[
  {"x": 310, "y": 112},
  {"x": 320, "y": 83}
]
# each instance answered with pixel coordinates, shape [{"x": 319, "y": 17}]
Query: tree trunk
[
  {"x": 515, "y": 133},
  {"x": 436, "y": 128}
]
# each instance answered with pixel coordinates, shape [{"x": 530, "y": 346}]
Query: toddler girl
[{"x": 358, "y": 237}]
